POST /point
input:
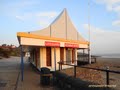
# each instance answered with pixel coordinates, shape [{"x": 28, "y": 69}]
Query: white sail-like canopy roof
[{"x": 61, "y": 27}]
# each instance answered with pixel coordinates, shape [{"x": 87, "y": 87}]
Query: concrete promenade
[
  {"x": 10, "y": 77},
  {"x": 9, "y": 71}
]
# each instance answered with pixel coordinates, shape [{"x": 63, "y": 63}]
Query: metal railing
[
  {"x": 85, "y": 58},
  {"x": 75, "y": 65}
]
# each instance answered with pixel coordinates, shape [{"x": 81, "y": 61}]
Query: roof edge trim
[{"x": 27, "y": 35}]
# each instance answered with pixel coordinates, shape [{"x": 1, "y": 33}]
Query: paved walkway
[
  {"x": 10, "y": 77},
  {"x": 31, "y": 80},
  {"x": 9, "y": 71}
]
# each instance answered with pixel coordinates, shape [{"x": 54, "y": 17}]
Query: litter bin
[{"x": 45, "y": 76}]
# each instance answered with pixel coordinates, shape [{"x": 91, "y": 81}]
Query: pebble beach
[{"x": 99, "y": 77}]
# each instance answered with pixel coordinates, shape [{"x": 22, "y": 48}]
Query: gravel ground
[
  {"x": 114, "y": 64},
  {"x": 98, "y": 76}
]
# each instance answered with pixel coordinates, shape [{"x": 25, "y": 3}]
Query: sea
[{"x": 109, "y": 55}]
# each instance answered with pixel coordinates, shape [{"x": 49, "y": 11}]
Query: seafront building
[{"x": 57, "y": 42}]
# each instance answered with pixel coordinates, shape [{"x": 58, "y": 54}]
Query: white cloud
[
  {"x": 113, "y": 6},
  {"x": 45, "y": 18},
  {"x": 44, "y": 23},
  {"x": 13, "y": 8},
  {"x": 117, "y": 9},
  {"x": 26, "y": 3},
  {"x": 47, "y": 14},
  {"x": 108, "y": 2},
  {"x": 19, "y": 18},
  {"x": 116, "y": 23},
  {"x": 17, "y": 10},
  {"x": 104, "y": 41},
  {"x": 41, "y": 18}
]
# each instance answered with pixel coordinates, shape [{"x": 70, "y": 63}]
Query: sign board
[
  {"x": 48, "y": 43},
  {"x": 71, "y": 45}
]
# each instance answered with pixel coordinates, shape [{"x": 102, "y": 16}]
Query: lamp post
[{"x": 89, "y": 47}]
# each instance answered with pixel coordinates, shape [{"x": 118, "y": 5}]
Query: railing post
[
  {"x": 107, "y": 75},
  {"x": 59, "y": 66},
  {"x": 95, "y": 60},
  {"x": 75, "y": 71}
]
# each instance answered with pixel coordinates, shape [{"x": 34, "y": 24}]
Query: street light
[{"x": 89, "y": 49}]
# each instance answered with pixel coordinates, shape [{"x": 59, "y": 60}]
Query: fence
[{"x": 75, "y": 65}]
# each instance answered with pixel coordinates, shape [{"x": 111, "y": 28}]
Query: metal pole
[
  {"x": 59, "y": 66},
  {"x": 95, "y": 60},
  {"x": 107, "y": 75},
  {"x": 22, "y": 64},
  {"x": 55, "y": 58},
  {"x": 83, "y": 54},
  {"x": 75, "y": 71},
  {"x": 89, "y": 32}
]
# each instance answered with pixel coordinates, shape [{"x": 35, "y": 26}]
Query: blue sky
[{"x": 28, "y": 15}]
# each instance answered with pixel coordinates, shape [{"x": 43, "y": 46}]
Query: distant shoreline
[
  {"x": 108, "y": 60},
  {"x": 108, "y": 55}
]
